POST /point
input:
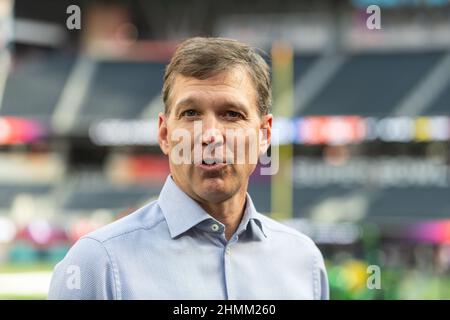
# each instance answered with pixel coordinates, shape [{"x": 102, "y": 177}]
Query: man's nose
[{"x": 211, "y": 131}]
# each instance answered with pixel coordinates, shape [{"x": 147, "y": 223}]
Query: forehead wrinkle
[
  {"x": 233, "y": 79},
  {"x": 198, "y": 99}
]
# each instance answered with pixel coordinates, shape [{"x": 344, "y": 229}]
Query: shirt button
[
  {"x": 228, "y": 251},
  {"x": 215, "y": 227}
]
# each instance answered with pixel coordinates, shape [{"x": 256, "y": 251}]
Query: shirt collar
[{"x": 183, "y": 213}]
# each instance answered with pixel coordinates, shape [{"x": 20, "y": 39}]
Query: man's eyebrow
[
  {"x": 186, "y": 102},
  {"x": 235, "y": 104},
  {"x": 190, "y": 101}
]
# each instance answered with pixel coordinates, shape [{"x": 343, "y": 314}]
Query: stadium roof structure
[
  {"x": 34, "y": 86},
  {"x": 121, "y": 90},
  {"x": 60, "y": 88},
  {"x": 374, "y": 84}
]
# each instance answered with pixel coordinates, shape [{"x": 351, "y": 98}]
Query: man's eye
[
  {"x": 233, "y": 115},
  {"x": 189, "y": 113}
]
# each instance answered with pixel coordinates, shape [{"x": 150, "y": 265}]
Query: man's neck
[{"x": 229, "y": 212}]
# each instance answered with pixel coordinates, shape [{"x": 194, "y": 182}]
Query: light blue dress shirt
[{"x": 172, "y": 249}]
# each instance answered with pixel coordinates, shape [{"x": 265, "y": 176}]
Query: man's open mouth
[{"x": 212, "y": 164}]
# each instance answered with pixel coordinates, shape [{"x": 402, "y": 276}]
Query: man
[{"x": 202, "y": 238}]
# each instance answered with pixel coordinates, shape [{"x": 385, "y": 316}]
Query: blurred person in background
[{"x": 203, "y": 238}]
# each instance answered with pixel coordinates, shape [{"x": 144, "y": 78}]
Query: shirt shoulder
[
  {"x": 306, "y": 250},
  {"x": 145, "y": 218},
  {"x": 92, "y": 258},
  {"x": 286, "y": 233}
]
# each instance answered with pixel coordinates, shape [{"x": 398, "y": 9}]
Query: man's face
[{"x": 220, "y": 116}]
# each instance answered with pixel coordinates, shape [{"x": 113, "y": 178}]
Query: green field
[{"x": 22, "y": 270}]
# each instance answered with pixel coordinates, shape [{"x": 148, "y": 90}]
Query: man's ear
[
  {"x": 266, "y": 133},
  {"x": 162, "y": 133}
]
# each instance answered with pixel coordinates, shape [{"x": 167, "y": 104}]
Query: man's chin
[
  {"x": 214, "y": 189},
  {"x": 213, "y": 183}
]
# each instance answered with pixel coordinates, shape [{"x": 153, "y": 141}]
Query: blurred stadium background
[{"x": 364, "y": 117}]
